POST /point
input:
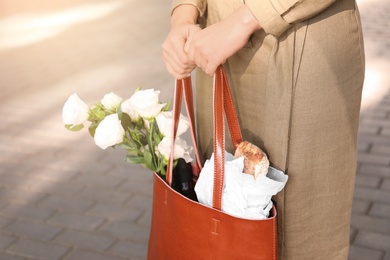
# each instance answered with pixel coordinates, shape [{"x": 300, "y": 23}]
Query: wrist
[
  {"x": 248, "y": 20},
  {"x": 184, "y": 14}
]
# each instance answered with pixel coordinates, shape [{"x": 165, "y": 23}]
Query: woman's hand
[
  {"x": 212, "y": 46},
  {"x": 183, "y": 25}
]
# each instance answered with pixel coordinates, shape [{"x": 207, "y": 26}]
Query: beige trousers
[{"x": 298, "y": 98}]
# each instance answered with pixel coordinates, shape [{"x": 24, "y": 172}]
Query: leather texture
[{"x": 184, "y": 229}]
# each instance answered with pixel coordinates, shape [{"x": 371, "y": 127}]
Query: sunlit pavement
[{"x": 62, "y": 197}]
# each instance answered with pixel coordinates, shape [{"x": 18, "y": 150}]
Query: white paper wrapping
[{"x": 243, "y": 196}]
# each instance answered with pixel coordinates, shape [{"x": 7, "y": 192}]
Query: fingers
[
  {"x": 174, "y": 54},
  {"x": 175, "y": 67},
  {"x": 175, "y": 59},
  {"x": 203, "y": 55}
]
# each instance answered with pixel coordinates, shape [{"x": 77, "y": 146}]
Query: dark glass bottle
[{"x": 182, "y": 181}]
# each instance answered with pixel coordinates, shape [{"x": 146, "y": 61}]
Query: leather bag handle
[
  {"x": 183, "y": 86},
  {"x": 222, "y": 105}
]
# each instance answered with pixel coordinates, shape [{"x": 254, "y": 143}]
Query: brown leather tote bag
[{"x": 183, "y": 229}]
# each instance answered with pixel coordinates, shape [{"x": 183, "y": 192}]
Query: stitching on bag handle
[
  {"x": 274, "y": 239},
  {"x": 232, "y": 122},
  {"x": 216, "y": 221},
  {"x": 217, "y": 195}
]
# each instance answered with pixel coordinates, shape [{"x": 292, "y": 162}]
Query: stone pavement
[{"x": 61, "y": 197}]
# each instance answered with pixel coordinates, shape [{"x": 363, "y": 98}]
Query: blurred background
[{"x": 62, "y": 197}]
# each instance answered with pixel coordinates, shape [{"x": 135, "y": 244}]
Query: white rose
[
  {"x": 129, "y": 109},
  {"x": 111, "y": 101},
  {"x": 109, "y": 132},
  {"x": 164, "y": 122},
  {"x": 75, "y": 111},
  {"x": 144, "y": 103},
  {"x": 182, "y": 150}
]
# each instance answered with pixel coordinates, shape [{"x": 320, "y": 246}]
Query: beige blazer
[{"x": 297, "y": 85}]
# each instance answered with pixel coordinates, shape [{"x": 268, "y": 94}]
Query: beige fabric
[{"x": 298, "y": 97}]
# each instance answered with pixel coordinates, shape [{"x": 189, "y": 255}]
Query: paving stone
[
  {"x": 9, "y": 180},
  {"x": 363, "y": 147},
  {"x": 137, "y": 188},
  {"x": 4, "y": 256},
  {"x": 381, "y": 149},
  {"x": 360, "y": 253},
  {"x": 132, "y": 173},
  {"x": 382, "y": 171},
  {"x": 374, "y": 139},
  {"x": 49, "y": 174},
  {"x": 66, "y": 204},
  {"x": 38, "y": 249},
  {"x": 140, "y": 202},
  {"x": 32, "y": 229},
  {"x": 367, "y": 181},
  {"x": 146, "y": 219},
  {"x": 85, "y": 255},
  {"x": 377, "y": 113},
  {"x": 352, "y": 235},
  {"x": 6, "y": 240},
  {"x": 111, "y": 196},
  {"x": 58, "y": 189},
  {"x": 98, "y": 181},
  {"x": 370, "y": 223},
  {"x": 18, "y": 196},
  {"x": 85, "y": 240},
  {"x": 375, "y": 121},
  {"x": 380, "y": 210},
  {"x": 8, "y": 166},
  {"x": 373, "y": 240},
  {"x": 130, "y": 249},
  {"x": 386, "y": 184},
  {"x": 115, "y": 213},
  {"x": 81, "y": 222},
  {"x": 4, "y": 221},
  {"x": 26, "y": 212},
  {"x": 360, "y": 206},
  {"x": 369, "y": 130},
  {"x": 372, "y": 195},
  {"x": 127, "y": 231},
  {"x": 376, "y": 159},
  {"x": 386, "y": 131}
]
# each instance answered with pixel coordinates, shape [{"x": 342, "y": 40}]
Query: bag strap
[
  {"x": 223, "y": 105},
  {"x": 183, "y": 86}
]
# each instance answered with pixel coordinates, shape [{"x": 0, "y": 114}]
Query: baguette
[{"x": 255, "y": 160}]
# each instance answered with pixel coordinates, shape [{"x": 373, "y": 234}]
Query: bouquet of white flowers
[{"x": 141, "y": 125}]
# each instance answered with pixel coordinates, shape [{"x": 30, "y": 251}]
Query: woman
[{"x": 296, "y": 69}]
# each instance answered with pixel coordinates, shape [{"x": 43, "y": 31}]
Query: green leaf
[
  {"x": 74, "y": 128},
  {"x": 125, "y": 120},
  {"x": 138, "y": 89},
  {"x": 135, "y": 159},
  {"x": 135, "y": 136},
  {"x": 98, "y": 113},
  {"x": 167, "y": 106},
  {"x": 156, "y": 138},
  {"x": 126, "y": 146},
  {"x": 119, "y": 110},
  {"x": 92, "y": 128},
  {"x": 149, "y": 160}
]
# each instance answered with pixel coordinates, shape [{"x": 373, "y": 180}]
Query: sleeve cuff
[
  {"x": 200, "y": 4},
  {"x": 268, "y": 17}
]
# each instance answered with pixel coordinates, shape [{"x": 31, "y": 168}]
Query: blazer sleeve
[
  {"x": 200, "y": 4},
  {"x": 276, "y": 16}
]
